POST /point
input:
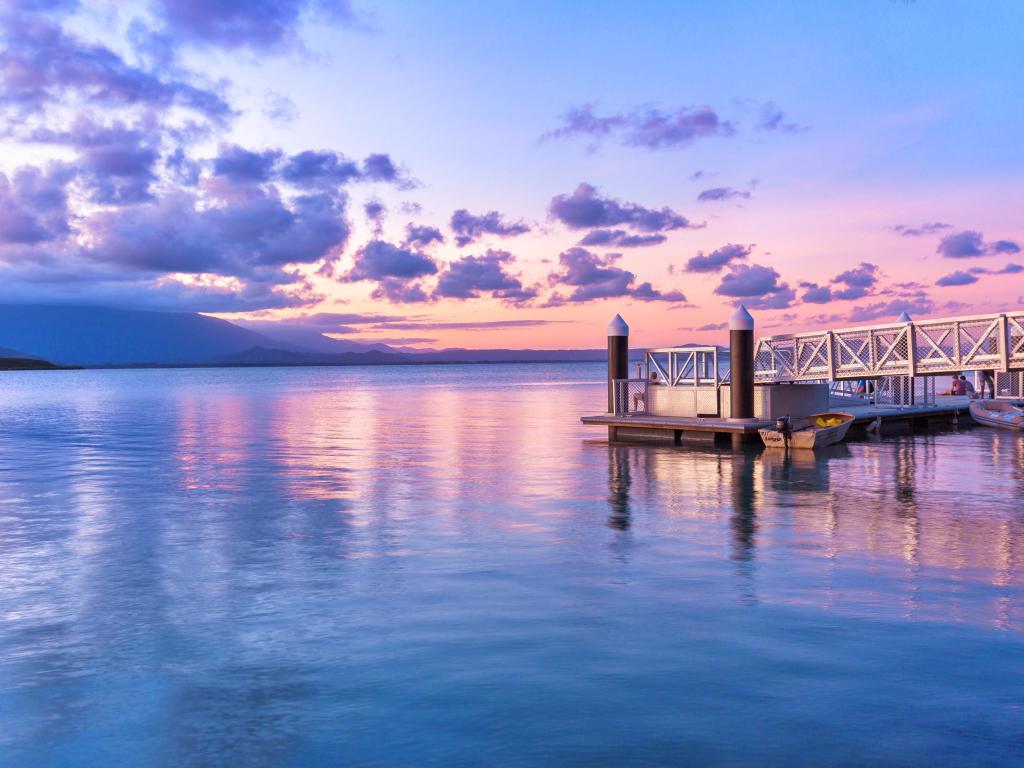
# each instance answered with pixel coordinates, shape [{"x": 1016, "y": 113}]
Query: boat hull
[
  {"x": 805, "y": 435},
  {"x": 992, "y": 413}
]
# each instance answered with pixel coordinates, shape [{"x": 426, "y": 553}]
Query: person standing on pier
[{"x": 988, "y": 379}]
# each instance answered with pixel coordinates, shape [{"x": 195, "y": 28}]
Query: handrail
[{"x": 682, "y": 366}]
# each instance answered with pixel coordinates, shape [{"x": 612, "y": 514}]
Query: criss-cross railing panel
[
  {"x": 774, "y": 360},
  {"x": 931, "y": 347},
  {"x": 1015, "y": 341}
]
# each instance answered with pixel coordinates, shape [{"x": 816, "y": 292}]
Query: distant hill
[
  {"x": 302, "y": 337},
  {"x": 100, "y": 336},
  {"x": 97, "y": 336},
  {"x": 263, "y": 356},
  {"x": 25, "y": 364}
]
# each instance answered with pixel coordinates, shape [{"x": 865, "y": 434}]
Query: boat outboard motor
[{"x": 782, "y": 424}]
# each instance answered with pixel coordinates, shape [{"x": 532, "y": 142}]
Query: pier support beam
[
  {"x": 741, "y": 364},
  {"x": 618, "y": 356}
]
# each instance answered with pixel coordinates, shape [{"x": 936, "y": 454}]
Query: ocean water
[{"x": 440, "y": 566}]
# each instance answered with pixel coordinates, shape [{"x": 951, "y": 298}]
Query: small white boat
[
  {"x": 814, "y": 431},
  {"x": 998, "y": 413}
]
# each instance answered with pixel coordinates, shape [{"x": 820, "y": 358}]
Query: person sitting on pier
[
  {"x": 968, "y": 386},
  {"x": 957, "y": 387}
]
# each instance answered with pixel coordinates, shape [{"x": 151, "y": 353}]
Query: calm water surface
[{"x": 441, "y": 566}]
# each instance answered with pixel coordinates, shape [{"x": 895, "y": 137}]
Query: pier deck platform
[{"x": 892, "y": 419}]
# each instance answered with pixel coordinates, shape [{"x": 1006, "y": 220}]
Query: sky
[{"x": 513, "y": 174}]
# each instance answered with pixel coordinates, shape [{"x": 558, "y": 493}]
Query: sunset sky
[{"x": 511, "y": 174}]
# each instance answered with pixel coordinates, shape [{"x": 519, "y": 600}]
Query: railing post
[
  {"x": 911, "y": 357},
  {"x": 831, "y": 360},
  {"x": 1004, "y": 343}
]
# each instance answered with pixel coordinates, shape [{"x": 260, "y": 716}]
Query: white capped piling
[
  {"x": 618, "y": 356},
  {"x": 741, "y": 364}
]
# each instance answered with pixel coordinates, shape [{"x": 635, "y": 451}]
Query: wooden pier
[
  {"x": 944, "y": 414},
  {"x": 885, "y": 375}
]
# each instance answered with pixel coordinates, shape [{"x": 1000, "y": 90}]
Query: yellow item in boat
[{"x": 830, "y": 422}]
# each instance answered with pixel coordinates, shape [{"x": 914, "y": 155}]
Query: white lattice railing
[
  {"x": 683, "y": 366},
  {"x": 930, "y": 347}
]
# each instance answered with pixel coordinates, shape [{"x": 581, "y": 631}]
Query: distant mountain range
[{"x": 99, "y": 336}]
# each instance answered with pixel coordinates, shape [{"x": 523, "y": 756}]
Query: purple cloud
[
  {"x": 890, "y": 310},
  {"x": 758, "y": 286},
  {"x": 970, "y": 244},
  {"x": 334, "y": 319},
  {"x": 116, "y": 163},
  {"x": 399, "y": 291},
  {"x": 620, "y": 238},
  {"x": 594, "y": 277},
  {"x": 749, "y": 280},
  {"x": 586, "y": 209},
  {"x": 648, "y": 128},
  {"x": 718, "y": 258},
  {"x": 962, "y": 245},
  {"x": 956, "y": 278},
  {"x": 928, "y": 228},
  {"x": 859, "y": 281},
  {"x": 251, "y": 235},
  {"x": 261, "y": 25},
  {"x": 780, "y": 299},
  {"x": 1003, "y": 246},
  {"x": 379, "y": 260},
  {"x": 420, "y": 237},
  {"x": 323, "y": 169},
  {"x": 34, "y": 204},
  {"x": 647, "y": 292},
  {"x": 41, "y": 64},
  {"x": 122, "y": 290},
  {"x": 774, "y": 119},
  {"x": 1009, "y": 269},
  {"x": 816, "y": 294},
  {"x": 279, "y": 109},
  {"x": 311, "y": 168},
  {"x": 380, "y": 167},
  {"x": 230, "y": 233},
  {"x": 375, "y": 212},
  {"x": 467, "y": 277},
  {"x": 722, "y": 193},
  {"x": 469, "y": 227},
  {"x": 243, "y": 165},
  {"x": 468, "y": 325}
]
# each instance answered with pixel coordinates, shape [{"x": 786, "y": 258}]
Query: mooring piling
[
  {"x": 618, "y": 356},
  {"x": 741, "y": 364}
]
